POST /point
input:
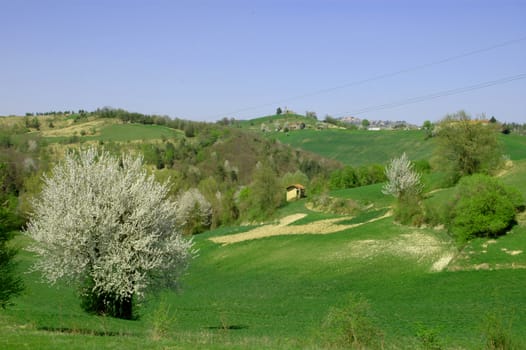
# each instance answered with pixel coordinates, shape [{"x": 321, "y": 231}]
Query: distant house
[{"x": 295, "y": 192}]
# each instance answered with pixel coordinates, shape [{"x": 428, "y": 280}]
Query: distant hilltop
[{"x": 378, "y": 124}]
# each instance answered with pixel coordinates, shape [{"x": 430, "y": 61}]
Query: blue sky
[{"x": 205, "y": 60}]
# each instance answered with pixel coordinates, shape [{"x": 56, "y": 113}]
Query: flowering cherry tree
[
  {"x": 194, "y": 212},
  {"x": 402, "y": 179},
  {"x": 107, "y": 225}
]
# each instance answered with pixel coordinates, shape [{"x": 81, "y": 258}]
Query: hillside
[
  {"x": 219, "y": 160},
  {"x": 361, "y": 147},
  {"x": 276, "y": 292},
  {"x": 272, "y": 284}
]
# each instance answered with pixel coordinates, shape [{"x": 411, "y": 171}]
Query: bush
[
  {"x": 340, "y": 206},
  {"x": 408, "y": 210},
  {"x": 10, "y": 282},
  {"x": 194, "y": 212},
  {"x": 482, "y": 207},
  {"x": 496, "y": 331},
  {"x": 352, "y": 326}
]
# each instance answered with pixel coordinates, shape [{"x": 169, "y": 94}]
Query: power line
[
  {"x": 436, "y": 95},
  {"x": 382, "y": 76}
]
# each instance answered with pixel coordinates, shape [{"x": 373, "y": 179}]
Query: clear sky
[{"x": 205, "y": 60}]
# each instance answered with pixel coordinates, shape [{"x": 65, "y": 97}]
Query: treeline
[
  {"x": 190, "y": 128},
  {"x": 515, "y": 128},
  {"x": 234, "y": 169},
  {"x": 350, "y": 177},
  {"x": 242, "y": 175}
]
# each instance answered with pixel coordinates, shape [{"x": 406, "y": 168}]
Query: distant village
[{"x": 378, "y": 124}]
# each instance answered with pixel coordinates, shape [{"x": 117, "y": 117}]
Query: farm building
[{"x": 295, "y": 192}]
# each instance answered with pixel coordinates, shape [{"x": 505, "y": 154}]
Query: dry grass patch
[
  {"x": 283, "y": 227},
  {"x": 90, "y": 128},
  {"x": 416, "y": 245}
]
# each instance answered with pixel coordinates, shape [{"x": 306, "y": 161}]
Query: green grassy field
[
  {"x": 275, "y": 292},
  {"x": 360, "y": 147}
]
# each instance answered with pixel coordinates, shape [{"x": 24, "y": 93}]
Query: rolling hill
[{"x": 272, "y": 285}]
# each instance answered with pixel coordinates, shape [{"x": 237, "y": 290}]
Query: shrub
[
  {"x": 10, "y": 283},
  {"x": 482, "y": 207},
  {"x": 428, "y": 338},
  {"x": 340, "y": 206},
  {"x": 194, "y": 212},
  {"x": 408, "y": 210},
  {"x": 496, "y": 331},
  {"x": 352, "y": 326}
]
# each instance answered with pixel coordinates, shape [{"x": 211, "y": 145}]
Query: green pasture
[
  {"x": 274, "y": 293},
  {"x": 130, "y": 132},
  {"x": 360, "y": 147},
  {"x": 514, "y": 146}
]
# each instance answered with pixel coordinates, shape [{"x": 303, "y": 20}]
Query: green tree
[
  {"x": 10, "y": 283},
  {"x": 279, "y": 111},
  {"x": 428, "y": 128},
  {"x": 482, "y": 207},
  {"x": 264, "y": 195},
  {"x": 365, "y": 123},
  {"x": 466, "y": 146},
  {"x": 352, "y": 326},
  {"x": 189, "y": 130}
]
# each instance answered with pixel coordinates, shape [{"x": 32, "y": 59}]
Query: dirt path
[{"x": 284, "y": 227}]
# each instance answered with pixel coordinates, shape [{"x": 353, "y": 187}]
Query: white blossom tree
[
  {"x": 402, "y": 179},
  {"x": 107, "y": 225},
  {"x": 403, "y": 182},
  {"x": 194, "y": 212}
]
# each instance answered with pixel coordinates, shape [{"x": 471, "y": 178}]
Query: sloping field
[
  {"x": 92, "y": 127},
  {"x": 274, "y": 292},
  {"x": 273, "y": 285},
  {"x": 110, "y": 130},
  {"x": 358, "y": 147}
]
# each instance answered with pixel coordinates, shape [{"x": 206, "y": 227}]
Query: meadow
[
  {"x": 363, "y": 147},
  {"x": 276, "y": 292}
]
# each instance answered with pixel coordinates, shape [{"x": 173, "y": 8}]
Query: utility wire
[
  {"x": 432, "y": 96},
  {"x": 382, "y": 76}
]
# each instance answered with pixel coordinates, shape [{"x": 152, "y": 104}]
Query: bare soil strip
[{"x": 320, "y": 227}]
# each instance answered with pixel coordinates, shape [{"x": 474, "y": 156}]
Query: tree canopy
[
  {"x": 482, "y": 207},
  {"x": 467, "y": 146}
]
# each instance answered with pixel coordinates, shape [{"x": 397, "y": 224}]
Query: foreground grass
[{"x": 275, "y": 293}]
